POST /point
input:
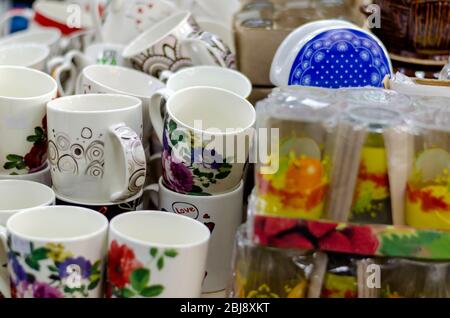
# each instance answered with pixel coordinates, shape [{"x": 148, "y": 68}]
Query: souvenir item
[
  {"x": 42, "y": 176},
  {"x": 156, "y": 254},
  {"x": 332, "y": 57},
  {"x": 108, "y": 209},
  {"x": 56, "y": 252},
  {"x": 48, "y": 36},
  {"x": 15, "y": 196},
  {"x": 95, "y": 150},
  {"x": 125, "y": 20},
  {"x": 23, "y": 95},
  {"x": 427, "y": 200},
  {"x": 174, "y": 43},
  {"x": 208, "y": 76},
  {"x": 221, "y": 213},
  {"x": 205, "y": 145},
  {"x": 28, "y": 55},
  {"x": 100, "y": 79}
]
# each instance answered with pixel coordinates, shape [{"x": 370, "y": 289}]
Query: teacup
[
  {"x": 24, "y": 93},
  {"x": 100, "y": 79},
  {"x": 48, "y": 36},
  {"x": 95, "y": 149},
  {"x": 125, "y": 20},
  {"x": 67, "y": 69},
  {"x": 222, "y": 214},
  {"x": 205, "y": 145},
  {"x": 108, "y": 209},
  {"x": 15, "y": 196},
  {"x": 62, "y": 248},
  {"x": 174, "y": 43},
  {"x": 28, "y": 55},
  {"x": 42, "y": 176},
  {"x": 156, "y": 254},
  {"x": 208, "y": 76}
]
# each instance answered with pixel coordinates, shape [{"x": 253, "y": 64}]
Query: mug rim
[
  {"x": 95, "y": 204},
  {"x": 51, "y": 80},
  {"x": 102, "y": 228},
  {"x": 221, "y": 195},
  {"x": 36, "y": 185},
  {"x": 39, "y": 173},
  {"x": 123, "y": 70},
  {"x": 130, "y": 51},
  {"x": 217, "y": 68},
  {"x": 55, "y": 105},
  {"x": 220, "y": 90},
  {"x": 39, "y": 48},
  {"x": 55, "y": 33},
  {"x": 187, "y": 220}
]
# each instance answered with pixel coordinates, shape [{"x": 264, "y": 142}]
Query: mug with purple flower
[
  {"x": 206, "y": 136},
  {"x": 56, "y": 252}
]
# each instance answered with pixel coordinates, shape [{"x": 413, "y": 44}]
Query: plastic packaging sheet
[{"x": 351, "y": 155}]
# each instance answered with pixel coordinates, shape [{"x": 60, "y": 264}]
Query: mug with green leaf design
[
  {"x": 56, "y": 252},
  {"x": 156, "y": 254},
  {"x": 24, "y": 94}
]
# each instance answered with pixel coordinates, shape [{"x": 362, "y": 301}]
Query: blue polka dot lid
[{"x": 340, "y": 57}]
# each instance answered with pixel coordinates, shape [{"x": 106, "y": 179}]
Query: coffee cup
[{"x": 28, "y": 55}]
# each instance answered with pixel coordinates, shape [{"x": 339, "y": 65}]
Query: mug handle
[
  {"x": 133, "y": 159},
  {"x": 165, "y": 76},
  {"x": 70, "y": 87},
  {"x": 155, "y": 110},
  {"x": 205, "y": 50},
  {"x": 25, "y": 13},
  {"x": 154, "y": 191},
  {"x": 4, "y": 280}
]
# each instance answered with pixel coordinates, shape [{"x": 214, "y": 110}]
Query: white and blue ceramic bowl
[{"x": 332, "y": 57}]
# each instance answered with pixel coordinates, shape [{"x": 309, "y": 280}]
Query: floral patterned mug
[
  {"x": 56, "y": 252},
  {"x": 205, "y": 143},
  {"x": 23, "y": 96},
  {"x": 156, "y": 254}
]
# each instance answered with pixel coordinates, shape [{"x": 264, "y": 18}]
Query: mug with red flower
[
  {"x": 23, "y": 127},
  {"x": 206, "y": 135},
  {"x": 156, "y": 254},
  {"x": 56, "y": 252}
]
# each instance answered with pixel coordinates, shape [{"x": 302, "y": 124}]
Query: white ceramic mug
[
  {"x": 174, "y": 43},
  {"x": 95, "y": 149},
  {"x": 208, "y": 76},
  {"x": 126, "y": 19},
  {"x": 48, "y": 36},
  {"x": 16, "y": 196},
  {"x": 24, "y": 93},
  {"x": 205, "y": 143},
  {"x": 164, "y": 255},
  {"x": 222, "y": 214},
  {"x": 101, "y": 79},
  {"x": 62, "y": 248},
  {"x": 28, "y": 55},
  {"x": 42, "y": 176},
  {"x": 72, "y": 64}
]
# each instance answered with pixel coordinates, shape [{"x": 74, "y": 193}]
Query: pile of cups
[{"x": 156, "y": 110}]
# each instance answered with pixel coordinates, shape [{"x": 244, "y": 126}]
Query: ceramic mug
[
  {"x": 205, "y": 145},
  {"x": 125, "y": 20},
  {"x": 24, "y": 93},
  {"x": 331, "y": 56},
  {"x": 95, "y": 150},
  {"x": 48, "y": 36},
  {"x": 28, "y": 55},
  {"x": 108, "y": 209},
  {"x": 56, "y": 252},
  {"x": 42, "y": 176},
  {"x": 208, "y": 76},
  {"x": 156, "y": 254},
  {"x": 72, "y": 64},
  {"x": 15, "y": 196},
  {"x": 96, "y": 79},
  {"x": 222, "y": 214},
  {"x": 174, "y": 43}
]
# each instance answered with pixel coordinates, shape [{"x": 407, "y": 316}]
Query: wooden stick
[{"x": 318, "y": 275}]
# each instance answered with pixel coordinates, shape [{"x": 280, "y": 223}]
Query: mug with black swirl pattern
[{"x": 95, "y": 147}]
